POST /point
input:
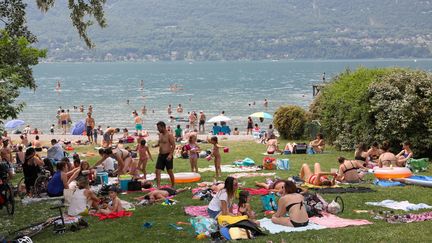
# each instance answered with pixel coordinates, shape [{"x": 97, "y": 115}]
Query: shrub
[
  {"x": 290, "y": 121},
  {"x": 377, "y": 104}
]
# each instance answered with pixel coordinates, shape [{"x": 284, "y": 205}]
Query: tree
[
  {"x": 290, "y": 121},
  {"x": 16, "y": 54}
]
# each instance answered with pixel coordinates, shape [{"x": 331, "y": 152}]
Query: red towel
[
  {"x": 113, "y": 215},
  {"x": 254, "y": 191}
]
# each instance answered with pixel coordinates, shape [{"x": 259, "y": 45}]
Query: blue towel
[
  {"x": 385, "y": 183},
  {"x": 422, "y": 178}
]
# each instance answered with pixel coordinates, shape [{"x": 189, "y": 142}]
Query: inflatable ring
[
  {"x": 186, "y": 177},
  {"x": 392, "y": 172}
]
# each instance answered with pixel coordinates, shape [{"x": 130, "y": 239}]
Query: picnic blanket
[
  {"x": 231, "y": 168},
  {"x": 409, "y": 218},
  {"x": 403, "y": 205},
  {"x": 255, "y": 174},
  {"x": 343, "y": 190},
  {"x": 332, "y": 221},
  {"x": 276, "y": 228},
  {"x": 307, "y": 185},
  {"x": 196, "y": 211},
  {"x": 255, "y": 191},
  {"x": 113, "y": 215}
]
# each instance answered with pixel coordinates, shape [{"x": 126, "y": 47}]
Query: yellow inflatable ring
[
  {"x": 392, "y": 172},
  {"x": 186, "y": 177}
]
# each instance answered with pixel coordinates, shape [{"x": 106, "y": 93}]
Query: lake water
[{"x": 209, "y": 86}]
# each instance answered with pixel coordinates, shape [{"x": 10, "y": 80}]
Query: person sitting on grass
[
  {"x": 318, "y": 144},
  {"x": 274, "y": 186},
  {"x": 82, "y": 198},
  {"x": 361, "y": 154},
  {"x": 244, "y": 207},
  {"x": 114, "y": 206},
  {"x": 160, "y": 195},
  {"x": 348, "y": 171},
  {"x": 59, "y": 181},
  {"x": 374, "y": 152},
  {"x": 387, "y": 158},
  {"x": 83, "y": 171},
  {"x": 291, "y": 203},
  {"x": 222, "y": 202},
  {"x": 404, "y": 155},
  {"x": 272, "y": 145},
  {"x": 318, "y": 178}
]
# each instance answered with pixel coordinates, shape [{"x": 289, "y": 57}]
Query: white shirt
[
  {"x": 108, "y": 164},
  {"x": 215, "y": 204},
  {"x": 78, "y": 203}
]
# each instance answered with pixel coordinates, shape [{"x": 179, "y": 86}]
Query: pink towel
[
  {"x": 333, "y": 221},
  {"x": 196, "y": 211},
  {"x": 255, "y": 191}
]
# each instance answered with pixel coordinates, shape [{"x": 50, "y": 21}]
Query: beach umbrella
[
  {"x": 220, "y": 118},
  {"x": 14, "y": 124},
  {"x": 78, "y": 128},
  {"x": 264, "y": 115}
]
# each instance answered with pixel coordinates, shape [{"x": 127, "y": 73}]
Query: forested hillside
[{"x": 242, "y": 29}]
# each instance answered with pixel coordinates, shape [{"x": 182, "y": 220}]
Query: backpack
[
  {"x": 134, "y": 186},
  {"x": 248, "y": 225},
  {"x": 269, "y": 202},
  {"x": 269, "y": 163},
  {"x": 282, "y": 164}
]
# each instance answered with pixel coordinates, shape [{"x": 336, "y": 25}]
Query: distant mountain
[{"x": 242, "y": 29}]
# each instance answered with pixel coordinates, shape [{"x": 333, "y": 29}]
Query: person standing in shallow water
[{"x": 166, "y": 146}]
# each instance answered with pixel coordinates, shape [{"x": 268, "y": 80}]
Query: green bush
[
  {"x": 290, "y": 121},
  {"x": 377, "y": 104}
]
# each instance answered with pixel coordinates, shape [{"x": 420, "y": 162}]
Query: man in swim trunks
[
  {"x": 166, "y": 146},
  {"x": 202, "y": 120},
  {"x": 107, "y": 137},
  {"x": 169, "y": 109},
  {"x": 63, "y": 120},
  {"x": 90, "y": 123},
  {"x": 138, "y": 123}
]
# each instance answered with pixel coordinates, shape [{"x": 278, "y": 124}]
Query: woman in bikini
[
  {"x": 194, "y": 150},
  {"x": 404, "y": 155},
  {"x": 272, "y": 145},
  {"x": 292, "y": 203},
  {"x": 387, "y": 158},
  {"x": 348, "y": 171},
  {"x": 318, "y": 178},
  {"x": 122, "y": 156},
  {"x": 374, "y": 152}
]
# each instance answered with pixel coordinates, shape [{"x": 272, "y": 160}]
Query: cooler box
[
  {"x": 102, "y": 178},
  {"x": 300, "y": 148},
  {"x": 124, "y": 180}
]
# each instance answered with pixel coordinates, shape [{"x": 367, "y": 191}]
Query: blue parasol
[
  {"x": 12, "y": 124},
  {"x": 78, "y": 128}
]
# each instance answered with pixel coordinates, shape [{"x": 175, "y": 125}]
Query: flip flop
[{"x": 176, "y": 227}]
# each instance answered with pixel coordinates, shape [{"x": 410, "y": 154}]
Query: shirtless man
[
  {"x": 90, "y": 124},
  {"x": 265, "y": 103},
  {"x": 192, "y": 119},
  {"x": 107, "y": 137},
  {"x": 138, "y": 123},
  {"x": 63, "y": 120},
  {"x": 166, "y": 146},
  {"x": 160, "y": 195},
  {"x": 202, "y": 120},
  {"x": 6, "y": 152},
  {"x": 90, "y": 109}
]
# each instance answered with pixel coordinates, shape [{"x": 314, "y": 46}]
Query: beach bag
[
  {"x": 269, "y": 202},
  {"x": 248, "y": 225},
  {"x": 418, "y": 165},
  {"x": 283, "y": 164},
  {"x": 203, "y": 225},
  {"x": 248, "y": 162},
  {"x": 134, "y": 186},
  {"x": 300, "y": 148},
  {"x": 314, "y": 204},
  {"x": 269, "y": 163},
  {"x": 237, "y": 233},
  {"x": 336, "y": 206}
]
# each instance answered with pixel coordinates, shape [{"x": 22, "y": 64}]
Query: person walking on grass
[{"x": 166, "y": 146}]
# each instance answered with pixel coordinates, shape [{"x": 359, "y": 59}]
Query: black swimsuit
[
  {"x": 352, "y": 168},
  {"x": 295, "y": 224}
]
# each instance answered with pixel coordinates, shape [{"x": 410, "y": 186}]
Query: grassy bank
[{"x": 130, "y": 229}]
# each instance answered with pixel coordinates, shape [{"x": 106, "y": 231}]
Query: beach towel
[
  {"x": 255, "y": 191},
  {"x": 387, "y": 183},
  {"x": 113, "y": 215},
  {"x": 239, "y": 175},
  {"x": 307, "y": 185},
  {"x": 332, "y": 221},
  {"x": 343, "y": 190},
  {"x": 276, "y": 228},
  {"x": 231, "y": 168},
  {"x": 196, "y": 211},
  {"x": 409, "y": 218},
  {"x": 403, "y": 205}
]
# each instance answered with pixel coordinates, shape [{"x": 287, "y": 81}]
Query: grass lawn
[{"x": 130, "y": 229}]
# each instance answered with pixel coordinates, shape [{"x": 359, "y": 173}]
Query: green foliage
[
  {"x": 16, "y": 59},
  {"x": 290, "y": 121},
  {"x": 375, "y": 105}
]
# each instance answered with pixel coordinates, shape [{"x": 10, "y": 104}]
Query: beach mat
[
  {"x": 332, "y": 221},
  {"x": 276, "y": 228},
  {"x": 340, "y": 190}
]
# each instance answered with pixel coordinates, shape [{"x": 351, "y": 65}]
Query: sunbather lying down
[
  {"x": 160, "y": 195},
  {"x": 272, "y": 185},
  {"x": 318, "y": 178}
]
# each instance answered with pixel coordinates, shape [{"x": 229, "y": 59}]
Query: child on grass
[
  {"x": 215, "y": 153},
  {"x": 114, "y": 206},
  {"x": 244, "y": 207},
  {"x": 193, "y": 150},
  {"x": 144, "y": 154}
]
